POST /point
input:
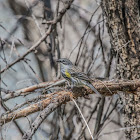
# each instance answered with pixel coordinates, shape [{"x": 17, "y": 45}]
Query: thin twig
[
  {"x": 83, "y": 118},
  {"x": 50, "y": 29}
]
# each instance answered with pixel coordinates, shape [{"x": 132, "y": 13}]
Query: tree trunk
[{"x": 122, "y": 19}]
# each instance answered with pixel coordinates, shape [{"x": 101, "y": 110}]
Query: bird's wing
[
  {"x": 81, "y": 75},
  {"x": 75, "y": 72}
]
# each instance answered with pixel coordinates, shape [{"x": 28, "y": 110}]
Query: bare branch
[
  {"x": 23, "y": 91},
  {"x": 62, "y": 97}
]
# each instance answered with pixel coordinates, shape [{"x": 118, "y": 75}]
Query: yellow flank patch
[{"x": 67, "y": 74}]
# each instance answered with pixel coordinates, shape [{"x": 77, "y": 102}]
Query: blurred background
[{"x": 82, "y": 37}]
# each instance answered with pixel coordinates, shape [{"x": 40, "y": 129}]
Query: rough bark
[{"x": 124, "y": 29}]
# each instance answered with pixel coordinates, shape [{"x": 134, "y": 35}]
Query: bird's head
[{"x": 64, "y": 61}]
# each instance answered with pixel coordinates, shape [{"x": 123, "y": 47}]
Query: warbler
[{"x": 73, "y": 75}]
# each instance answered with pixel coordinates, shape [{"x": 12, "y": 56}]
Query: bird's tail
[{"x": 93, "y": 88}]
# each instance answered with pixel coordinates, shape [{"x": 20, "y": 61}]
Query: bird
[{"x": 74, "y": 76}]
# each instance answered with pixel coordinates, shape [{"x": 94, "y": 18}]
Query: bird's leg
[
  {"x": 72, "y": 85},
  {"x": 68, "y": 86}
]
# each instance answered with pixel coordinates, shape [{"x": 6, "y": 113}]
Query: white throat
[{"x": 64, "y": 67}]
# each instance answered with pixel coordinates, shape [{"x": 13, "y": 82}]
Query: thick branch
[
  {"x": 103, "y": 87},
  {"x": 62, "y": 97},
  {"x": 55, "y": 98}
]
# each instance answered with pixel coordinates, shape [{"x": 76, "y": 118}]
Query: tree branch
[
  {"x": 24, "y": 91},
  {"x": 63, "y": 97}
]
